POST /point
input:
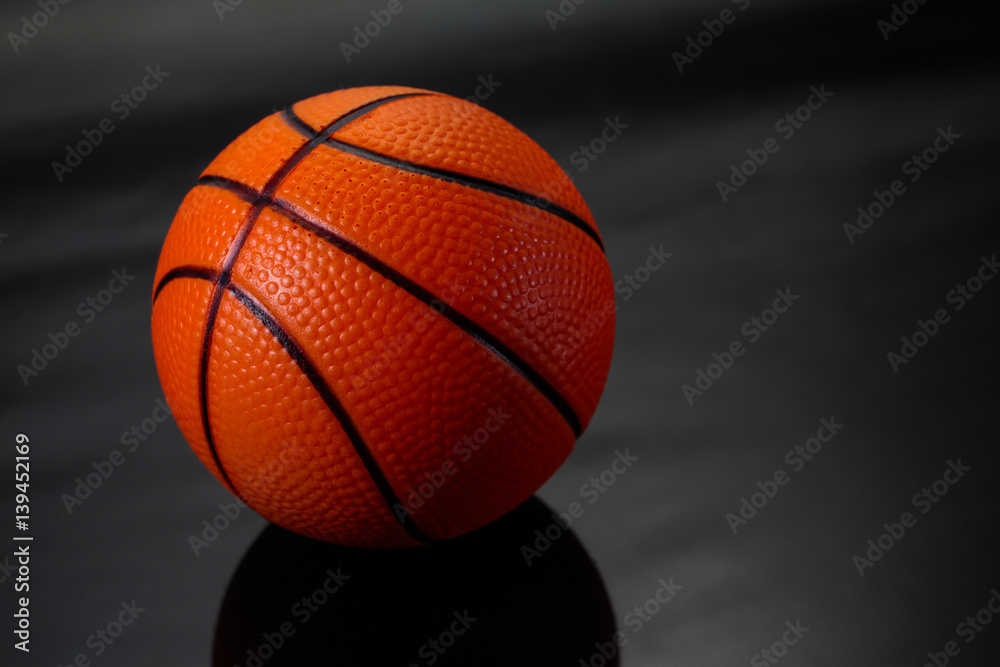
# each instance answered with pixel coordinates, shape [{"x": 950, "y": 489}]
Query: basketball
[{"x": 382, "y": 317}]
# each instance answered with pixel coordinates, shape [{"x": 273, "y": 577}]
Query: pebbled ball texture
[{"x": 382, "y": 317}]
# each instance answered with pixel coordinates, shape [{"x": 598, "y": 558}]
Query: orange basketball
[{"x": 382, "y": 317}]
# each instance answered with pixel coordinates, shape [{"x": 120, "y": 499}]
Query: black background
[{"x": 654, "y": 185}]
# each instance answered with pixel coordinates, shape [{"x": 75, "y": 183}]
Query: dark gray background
[{"x": 654, "y": 185}]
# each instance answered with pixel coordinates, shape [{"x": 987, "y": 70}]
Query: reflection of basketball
[
  {"x": 383, "y": 316},
  {"x": 294, "y": 601}
]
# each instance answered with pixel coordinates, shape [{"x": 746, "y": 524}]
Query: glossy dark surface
[{"x": 664, "y": 519}]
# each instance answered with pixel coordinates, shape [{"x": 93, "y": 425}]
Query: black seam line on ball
[
  {"x": 212, "y": 276},
  {"x": 222, "y": 282},
  {"x": 478, "y": 333},
  {"x": 304, "y": 128},
  {"x": 200, "y": 272},
  {"x": 480, "y": 184},
  {"x": 241, "y": 190},
  {"x": 299, "y": 356},
  {"x": 289, "y": 116},
  {"x": 471, "y": 328}
]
